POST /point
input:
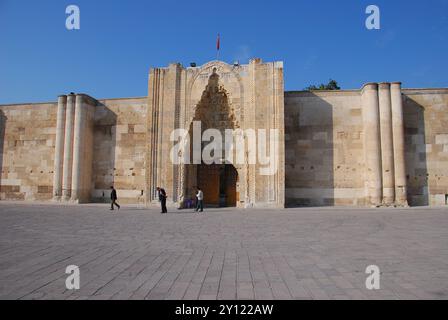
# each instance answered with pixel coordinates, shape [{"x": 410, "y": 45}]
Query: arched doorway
[{"x": 219, "y": 183}]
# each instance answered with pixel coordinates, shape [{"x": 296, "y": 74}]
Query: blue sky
[{"x": 120, "y": 40}]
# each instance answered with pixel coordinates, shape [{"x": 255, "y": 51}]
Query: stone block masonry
[
  {"x": 72, "y": 177},
  {"x": 70, "y": 151},
  {"x": 380, "y": 145}
]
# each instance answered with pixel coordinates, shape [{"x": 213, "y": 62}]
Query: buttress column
[
  {"x": 59, "y": 147},
  {"x": 68, "y": 148},
  {"x": 78, "y": 140},
  {"x": 387, "y": 148},
  {"x": 399, "y": 145},
  {"x": 372, "y": 144}
]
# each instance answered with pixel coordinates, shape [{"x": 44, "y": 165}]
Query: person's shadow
[
  {"x": 104, "y": 145},
  {"x": 309, "y": 151},
  {"x": 415, "y": 153}
]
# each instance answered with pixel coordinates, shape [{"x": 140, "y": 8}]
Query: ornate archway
[
  {"x": 219, "y": 181},
  {"x": 245, "y": 97}
]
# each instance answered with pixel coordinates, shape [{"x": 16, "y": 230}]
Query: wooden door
[
  {"x": 208, "y": 180},
  {"x": 231, "y": 178}
]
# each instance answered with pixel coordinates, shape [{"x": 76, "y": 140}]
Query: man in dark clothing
[
  {"x": 162, "y": 199},
  {"x": 114, "y": 198}
]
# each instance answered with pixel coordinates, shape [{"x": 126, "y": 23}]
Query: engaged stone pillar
[
  {"x": 68, "y": 145},
  {"x": 398, "y": 141},
  {"x": 387, "y": 146},
  {"x": 78, "y": 140},
  {"x": 372, "y": 144},
  {"x": 59, "y": 148}
]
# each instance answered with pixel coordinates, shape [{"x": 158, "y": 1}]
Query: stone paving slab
[{"x": 300, "y": 253}]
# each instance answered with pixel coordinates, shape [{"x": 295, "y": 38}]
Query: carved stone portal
[{"x": 220, "y": 96}]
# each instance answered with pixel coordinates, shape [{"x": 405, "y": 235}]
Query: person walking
[
  {"x": 162, "y": 198},
  {"x": 113, "y": 198},
  {"x": 199, "y": 200}
]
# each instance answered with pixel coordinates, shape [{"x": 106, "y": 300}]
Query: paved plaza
[{"x": 300, "y": 253}]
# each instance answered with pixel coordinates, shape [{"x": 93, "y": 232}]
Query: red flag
[{"x": 218, "y": 43}]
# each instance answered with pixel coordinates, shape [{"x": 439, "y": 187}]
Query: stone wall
[
  {"x": 113, "y": 151},
  {"x": 324, "y": 148},
  {"x": 119, "y": 149},
  {"x": 426, "y": 134},
  {"x": 27, "y": 140}
]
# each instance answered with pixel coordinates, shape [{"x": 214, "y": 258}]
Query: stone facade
[
  {"x": 253, "y": 99},
  {"x": 120, "y": 149},
  {"x": 381, "y": 145},
  {"x": 426, "y": 149},
  {"x": 324, "y": 148},
  {"x": 378, "y": 146},
  {"x": 37, "y": 165}
]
